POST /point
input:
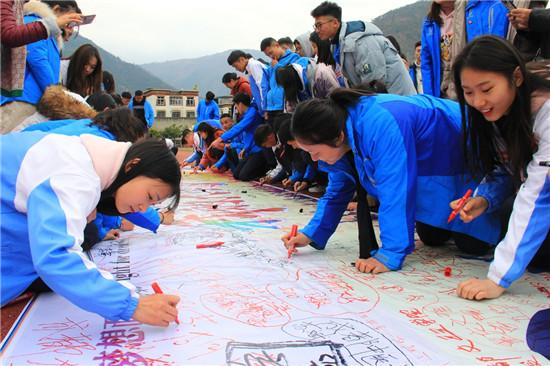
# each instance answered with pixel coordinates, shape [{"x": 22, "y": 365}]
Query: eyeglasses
[{"x": 318, "y": 25}]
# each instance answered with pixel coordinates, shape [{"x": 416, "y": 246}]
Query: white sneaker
[{"x": 316, "y": 189}]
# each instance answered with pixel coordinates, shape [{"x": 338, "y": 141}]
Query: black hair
[
  {"x": 434, "y": 14},
  {"x": 108, "y": 82},
  {"x": 228, "y": 76},
  {"x": 65, "y": 5},
  {"x": 283, "y": 131},
  {"x": 235, "y": 55},
  {"x": 215, "y": 153},
  {"x": 210, "y": 96},
  {"x": 156, "y": 161},
  {"x": 327, "y": 8},
  {"x": 122, "y": 123},
  {"x": 324, "y": 54},
  {"x": 184, "y": 134},
  {"x": 287, "y": 77},
  {"x": 210, "y": 131},
  {"x": 418, "y": 43},
  {"x": 262, "y": 133},
  {"x": 126, "y": 94},
  {"x": 267, "y": 42},
  {"x": 279, "y": 120},
  {"x": 494, "y": 54},
  {"x": 101, "y": 100},
  {"x": 285, "y": 40},
  {"x": 394, "y": 42},
  {"x": 321, "y": 121},
  {"x": 374, "y": 86},
  {"x": 225, "y": 115},
  {"x": 76, "y": 81},
  {"x": 242, "y": 98},
  {"x": 138, "y": 93}
]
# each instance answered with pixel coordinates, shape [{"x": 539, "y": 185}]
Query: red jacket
[
  {"x": 242, "y": 86},
  {"x": 14, "y": 32},
  {"x": 206, "y": 159},
  {"x": 14, "y": 35}
]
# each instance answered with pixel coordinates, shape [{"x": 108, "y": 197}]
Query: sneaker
[{"x": 316, "y": 189}]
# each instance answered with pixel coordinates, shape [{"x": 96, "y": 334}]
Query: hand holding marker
[
  {"x": 157, "y": 290},
  {"x": 293, "y": 233},
  {"x": 459, "y": 206}
]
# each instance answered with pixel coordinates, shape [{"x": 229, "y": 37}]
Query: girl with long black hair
[{"x": 506, "y": 119}]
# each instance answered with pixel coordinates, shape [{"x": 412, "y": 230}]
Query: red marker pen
[
  {"x": 459, "y": 206},
  {"x": 157, "y": 290},
  {"x": 293, "y": 233},
  {"x": 209, "y": 245}
]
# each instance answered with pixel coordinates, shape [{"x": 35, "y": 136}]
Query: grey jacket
[{"x": 366, "y": 55}]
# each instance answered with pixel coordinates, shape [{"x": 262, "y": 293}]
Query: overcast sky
[{"x": 141, "y": 31}]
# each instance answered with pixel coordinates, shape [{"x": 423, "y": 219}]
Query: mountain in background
[
  {"x": 405, "y": 24},
  {"x": 127, "y": 76},
  {"x": 205, "y": 73}
]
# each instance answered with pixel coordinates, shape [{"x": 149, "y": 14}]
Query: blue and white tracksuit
[
  {"x": 258, "y": 78},
  {"x": 49, "y": 187},
  {"x": 149, "y": 219},
  {"x": 407, "y": 152},
  {"x": 530, "y": 219}
]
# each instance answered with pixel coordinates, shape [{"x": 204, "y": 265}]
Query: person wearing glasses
[{"x": 361, "y": 51}]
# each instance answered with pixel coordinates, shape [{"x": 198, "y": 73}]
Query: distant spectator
[
  {"x": 42, "y": 61},
  {"x": 142, "y": 109},
  {"x": 303, "y": 46},
  {"x": 109, "y": 87},
  {"x": 82, "y": 73},
  {"x": 126, "y": 97},
  {"x": 368, "y": 54},
  {"x": 286, "y": 43},
  {"x": 414, "y": 69},
  {"x": 237, "y": 84},
  {"x": 257, "y": 73},
  {"x": 208, "y": 108},
  {"x": 325, "y": 62},
  {"x": 274, "y": 103}
]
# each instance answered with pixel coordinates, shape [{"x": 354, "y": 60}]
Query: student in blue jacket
[
  {"x": 51, "y": 186},
  {"x": 506, "y": 113},
  {"x": 252, "y": 162},
  {"x": 208, "y": 108},
  {"x": 406, "y": 152},
  {"x": 274, "y": 101}
]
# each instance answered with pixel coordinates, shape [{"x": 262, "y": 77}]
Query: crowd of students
[
  {"x": 339, "y": 109},
  {"x": 342, "y": 107}
]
